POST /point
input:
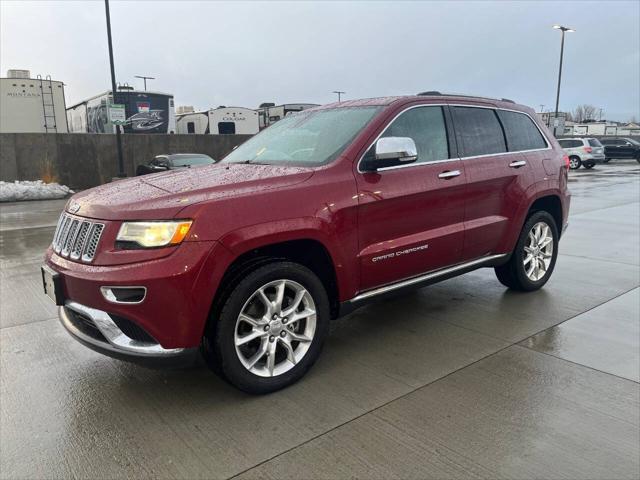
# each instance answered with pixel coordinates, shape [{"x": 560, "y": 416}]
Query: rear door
[
  {"x": 411, "y": 218},
  {"x": 496, "y": 178}
]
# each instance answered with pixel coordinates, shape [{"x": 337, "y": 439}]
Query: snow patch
[{"x": 32, "y": 190}]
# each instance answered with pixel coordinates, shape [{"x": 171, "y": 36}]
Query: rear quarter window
[
  {"x": 479, "y": 131},
  {"x": 521, "y": 132},
  {"x": 594, "y": 142}
]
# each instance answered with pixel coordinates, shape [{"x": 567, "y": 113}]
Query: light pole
[
  {"x": 145, "y": 80},
  {"x": 563, "y": 30},
  {"x": 113, "y": 91},
  {"x": 339, "y": 93}
]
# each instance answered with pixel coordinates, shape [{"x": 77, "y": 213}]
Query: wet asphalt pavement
[{"x": 461, "y": 379}]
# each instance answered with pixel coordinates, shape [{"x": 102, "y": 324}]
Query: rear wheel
[
  {"x": 270, "y": 329},
  {"x": 534, "y": 257},
  {"x": 607, "y": 160},
  {"x": 574, "y": 162}
]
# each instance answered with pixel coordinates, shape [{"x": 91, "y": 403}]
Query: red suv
[{"x": 247, "y": 260}]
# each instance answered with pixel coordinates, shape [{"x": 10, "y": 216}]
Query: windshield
[
  {"x": 307, "y": 138},
  {"x": 191, "y": 161},
  {"x": 632, "y": 141}
]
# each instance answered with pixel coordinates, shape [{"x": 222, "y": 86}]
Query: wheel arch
[
  {"x": 255, "y": 246},
  {"x": 549, "y": 200},
  {"x": 549, "y": 203}
]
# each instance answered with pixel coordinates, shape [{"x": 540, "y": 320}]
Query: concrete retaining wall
[{"x": 86, "y": 160}]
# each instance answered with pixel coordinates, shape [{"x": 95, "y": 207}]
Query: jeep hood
[{"x": 163, "y": 195}]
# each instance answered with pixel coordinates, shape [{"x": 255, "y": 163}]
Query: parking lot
[{"x": 461, "y": 379}]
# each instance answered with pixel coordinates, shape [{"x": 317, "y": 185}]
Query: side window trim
[
  {"x": 544, "y": 136},
  {"x": 454, "y": 149}
]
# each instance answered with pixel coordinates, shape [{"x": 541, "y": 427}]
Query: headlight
[{"x": 154, "y": 234}]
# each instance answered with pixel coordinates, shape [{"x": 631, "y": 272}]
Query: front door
[{"x": 411, "y": 218}]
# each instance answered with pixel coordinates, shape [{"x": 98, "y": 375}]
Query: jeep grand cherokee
[{"x": 247, "y": 260}]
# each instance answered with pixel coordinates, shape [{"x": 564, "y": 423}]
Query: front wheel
[
  {"x": 574, "y": 163},
  {"x": 270, "y": 329},
  {"x": 589, "y": 166},
  {"x": 534, "y": 257}
]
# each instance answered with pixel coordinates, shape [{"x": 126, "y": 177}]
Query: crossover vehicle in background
[
  {"x": 619, "y": 148},
  {"x": 162, "y": 163},
  {"x": 584, "y": 152},
  {"x": 246, "y": 261}
]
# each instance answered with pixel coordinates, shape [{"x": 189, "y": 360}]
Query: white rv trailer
[
  {"x": 146, "y": 112},
  {"x": 31, "y": 104},
  {"x": 219, "y": 121},
  {"x": 273, "y": 113}
]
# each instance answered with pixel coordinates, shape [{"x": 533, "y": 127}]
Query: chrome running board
[{"x": 427, "y": 277}]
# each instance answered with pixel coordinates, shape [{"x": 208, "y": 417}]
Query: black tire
[
  {"x": 606, "y": 160},
  {"x": 513, "y": 274},
  {"x": 588, "y": 166},
  {"x": 574, "y": 162},
  {"x": 218, "y": 346}
]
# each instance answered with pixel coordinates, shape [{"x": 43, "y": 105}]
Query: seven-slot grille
[{"x": 77, "y": 238}]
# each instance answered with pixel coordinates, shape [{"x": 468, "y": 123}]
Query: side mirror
[{"x": 390, "y": 152}]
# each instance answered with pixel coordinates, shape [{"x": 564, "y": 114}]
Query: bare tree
[{"x": 584, "y": 112}]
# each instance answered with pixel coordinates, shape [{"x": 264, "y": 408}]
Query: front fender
[{"x": 251, "y": 237}]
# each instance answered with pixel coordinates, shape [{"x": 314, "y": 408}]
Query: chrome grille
[{"x": 77, "y": 238}]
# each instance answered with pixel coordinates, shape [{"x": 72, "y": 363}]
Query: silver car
[{"x": 584, "y": 152}]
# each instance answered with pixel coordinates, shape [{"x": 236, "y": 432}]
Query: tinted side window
[
  {"x": 570, "y": 143},
  {"x": 425, "y": 125},
  {"x": 594, "y": 142},
  {"x": 521, "y": 132},
  {"x": 479, "y": 131}
]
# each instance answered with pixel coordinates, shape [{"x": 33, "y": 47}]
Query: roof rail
[{"x": 437, "y": 93}]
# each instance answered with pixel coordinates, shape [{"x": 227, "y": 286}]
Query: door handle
[
  {"x": 518, "y": 164},
  {"x": 449, "y": 174}
]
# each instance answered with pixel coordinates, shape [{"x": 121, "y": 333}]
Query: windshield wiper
[{"x": 253, "y": 162}]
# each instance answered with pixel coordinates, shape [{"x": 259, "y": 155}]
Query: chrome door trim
[
  {"x": 420, "y": 164},
  {"x": 449, "y": 174},
  {"x": 517, "y": 164},
  {"x": 428, "y": 276}
]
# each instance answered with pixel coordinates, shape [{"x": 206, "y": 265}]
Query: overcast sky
[{"x": 241, "y": 54}]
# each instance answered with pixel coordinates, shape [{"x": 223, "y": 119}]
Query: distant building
[
  {"x": 30, "y": 105},
  {"x": 219, "y": 121},
  {"x": 184, "y": 109},
  {"x": 603, "y": 128},
  {"x": 145, "y": 112},
  {"x": 555, "y": 125},
  {"x": 269, "y": 112}
]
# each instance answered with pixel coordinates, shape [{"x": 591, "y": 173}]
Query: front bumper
[
  {"x": 179, "y": 291},
  {"x": 97, "y": 330}
]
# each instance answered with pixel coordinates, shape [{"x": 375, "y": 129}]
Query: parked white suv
[{"x": 582, "y": 151}]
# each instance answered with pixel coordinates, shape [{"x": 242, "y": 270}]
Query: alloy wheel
[
  {"x": 538, "y": 251},
  {"x": 275, "y": 328}
]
